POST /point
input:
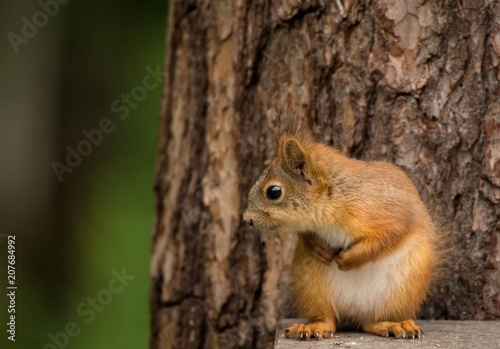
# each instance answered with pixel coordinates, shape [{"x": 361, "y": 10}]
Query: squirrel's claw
[
  {"x": 401, "y": 330},
  {"x": 316, "y": 330}
]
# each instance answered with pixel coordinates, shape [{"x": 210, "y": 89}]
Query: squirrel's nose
[{"x": 247, "y": 219}]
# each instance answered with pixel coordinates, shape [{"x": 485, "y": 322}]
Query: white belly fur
[{"x": 363, "y": 293}]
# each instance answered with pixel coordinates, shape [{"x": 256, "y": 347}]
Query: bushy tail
[{"x": 434, "y": 307}]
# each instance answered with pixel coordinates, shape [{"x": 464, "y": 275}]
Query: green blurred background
[{"x": 71, "y": 235}]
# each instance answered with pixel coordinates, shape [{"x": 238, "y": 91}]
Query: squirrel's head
[{"x": 287, "y": 191}]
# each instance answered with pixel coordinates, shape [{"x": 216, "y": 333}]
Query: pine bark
[{"x": 413, "y": 82}]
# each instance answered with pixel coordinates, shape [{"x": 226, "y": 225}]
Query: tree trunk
[{"x": 413, "y": 82}]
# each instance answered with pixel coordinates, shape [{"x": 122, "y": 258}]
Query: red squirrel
[{"x": 367, "y": 215}]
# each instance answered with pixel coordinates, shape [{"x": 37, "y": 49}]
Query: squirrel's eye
[{"x": 273, "y": 192}]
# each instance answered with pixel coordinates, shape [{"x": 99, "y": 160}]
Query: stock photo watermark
[
  {"x": 94, "y": 137},
  {"x": 191, "y": 209},
  {"x": 88, "y": 309},
  {"x": 30, "y": 26},
  {"x": 11, "y": 286}
]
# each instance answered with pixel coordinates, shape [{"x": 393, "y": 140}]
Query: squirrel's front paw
[
  {"x": 316, "y": 330},
  {"x": 354, "y": 256},
  {"x": 346, "y": 260},
  {"x": 319, "y": 249},
  {"x": 342, "y": 261}
]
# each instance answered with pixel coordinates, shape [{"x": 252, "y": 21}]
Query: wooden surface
[{"x": 438, "y": 334}]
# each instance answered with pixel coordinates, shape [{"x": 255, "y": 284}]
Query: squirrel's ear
[{"x": 294, "y": 158}]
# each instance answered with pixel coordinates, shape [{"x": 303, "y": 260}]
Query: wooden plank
[{"x": 438, "y": 334}]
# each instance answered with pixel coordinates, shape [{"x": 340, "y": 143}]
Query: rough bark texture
[{"x": 413, "y": 82}]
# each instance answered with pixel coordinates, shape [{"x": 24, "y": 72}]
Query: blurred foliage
[{"x": 102, "y": 214}]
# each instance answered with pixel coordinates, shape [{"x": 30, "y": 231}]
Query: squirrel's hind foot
[
  {"x": 315, "y": 330},
  {"x": 405, "y": 329}
]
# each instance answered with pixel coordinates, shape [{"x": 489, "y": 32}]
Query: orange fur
[
  {"x": 371, "y": 211},
  {"x": 312, "y": 298}
]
